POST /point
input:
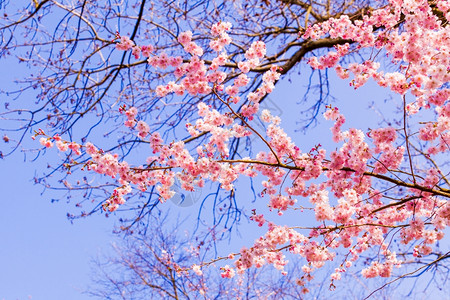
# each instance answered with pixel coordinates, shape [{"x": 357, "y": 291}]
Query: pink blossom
[
  {"x": 125, "y": 44},
  {"x": 185, "y": 37},
  {"x": 46, "y": 142}
]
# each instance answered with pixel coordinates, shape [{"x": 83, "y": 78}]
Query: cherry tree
[
  {"x": 79, "y": 79},
  {"x": 383, "y": 184},
  {"x": 143, "y": 267},
  {"x": 381, "y": 193},
  {"x": 77, "y": 75}
]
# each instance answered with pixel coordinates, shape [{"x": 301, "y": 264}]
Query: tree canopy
[{"x": 188, "y": 80}]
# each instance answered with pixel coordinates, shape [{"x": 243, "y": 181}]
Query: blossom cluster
[{"x": 420, "y": 46}]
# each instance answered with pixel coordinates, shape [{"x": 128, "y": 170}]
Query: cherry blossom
[{"x": 338, "y": 185}]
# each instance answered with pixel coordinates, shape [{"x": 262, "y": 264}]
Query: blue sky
[
  {"x": 45, "y": 257},
  {"x": 42, "y": 255}
]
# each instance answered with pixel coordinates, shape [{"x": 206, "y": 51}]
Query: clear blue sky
[
  {"x": 45, "y": 257},
  {"x": 42, "y": 255}
]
